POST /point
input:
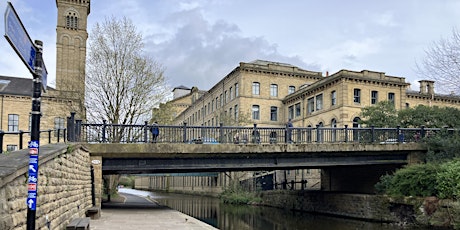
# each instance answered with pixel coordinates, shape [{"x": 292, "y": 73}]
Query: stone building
[
  {"x": 270, "y": 93},
  {"x": 56, "y": 104}
]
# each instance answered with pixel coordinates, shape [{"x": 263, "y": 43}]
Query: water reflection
[{"x": 232, "y": 217}]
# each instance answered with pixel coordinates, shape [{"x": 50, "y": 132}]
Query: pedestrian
[
  {"x": 155, "y": 131},
  {"x": 289, "y": 131}
]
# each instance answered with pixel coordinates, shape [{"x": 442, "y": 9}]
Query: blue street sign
[
  {"x": 32, "y": 181},
  {"x": 18, "y": 38}
]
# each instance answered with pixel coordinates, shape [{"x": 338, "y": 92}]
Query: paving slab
[{"x": 141, "y": 213}]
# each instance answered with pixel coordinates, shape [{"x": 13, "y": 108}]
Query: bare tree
[
  {"x": 123, "y": 84},
  {"x": 442, "y": 63}
]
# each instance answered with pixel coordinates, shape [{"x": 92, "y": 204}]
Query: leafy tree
[
  {"x": 383, "y": 114},
  {"x": 442, "y": 63},
  {"x": 430, "y": 117},
  {"x": 123, "y": 84}
]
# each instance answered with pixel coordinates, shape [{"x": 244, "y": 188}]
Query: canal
[{"x": 246, "y": 217}]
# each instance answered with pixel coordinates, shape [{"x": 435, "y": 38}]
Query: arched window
[
  {"x": 333, "y": 123},
  {"x": 333, "y": 132},
  {"x": 356, "y": 122},
  {"x": 71, "y": 20},
  {"x": 356, "y": 125}
]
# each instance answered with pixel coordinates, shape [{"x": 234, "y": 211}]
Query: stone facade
[{"x": 63, "y": 192}]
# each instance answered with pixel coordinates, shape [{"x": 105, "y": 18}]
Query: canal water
[{"x": 247, "y": 217}]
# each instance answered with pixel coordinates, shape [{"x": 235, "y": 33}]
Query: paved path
[{"x": 139, "y": 213}]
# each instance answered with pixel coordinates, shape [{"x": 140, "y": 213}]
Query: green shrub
[
  {"x": 448, "y": 180},
  {"x": 413, "y": 180}
]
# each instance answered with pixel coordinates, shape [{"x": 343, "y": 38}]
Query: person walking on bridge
[{"x": 155, "y": 132}]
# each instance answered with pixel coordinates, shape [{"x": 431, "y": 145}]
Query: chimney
[{"x": 426, "y": 87}]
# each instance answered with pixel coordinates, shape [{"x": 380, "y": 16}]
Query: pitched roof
[{"x": 16, "y": 86}]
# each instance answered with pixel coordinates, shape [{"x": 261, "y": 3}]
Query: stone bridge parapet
[{"x": 64, "y": 186}]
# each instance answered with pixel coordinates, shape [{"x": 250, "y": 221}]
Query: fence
[
  {"x": 115, "y": 133},
  {"x": 59, "y": 134}
]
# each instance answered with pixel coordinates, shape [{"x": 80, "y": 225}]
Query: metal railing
[
  {"x": 115, "y": 133},
  {"x": 59, "y": 135}
]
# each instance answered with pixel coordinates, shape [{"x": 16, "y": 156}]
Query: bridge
[{"x": 351, "y": 159}]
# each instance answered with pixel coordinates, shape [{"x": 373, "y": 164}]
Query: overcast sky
[{"x": 201, "y": 41}]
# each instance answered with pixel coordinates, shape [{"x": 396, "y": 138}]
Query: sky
[{"x": 199, "y": 42}]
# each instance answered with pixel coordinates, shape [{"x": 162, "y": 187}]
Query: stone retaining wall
[
  {"x": 420, "y": 211},
  {"x": 64, "y": 187}
]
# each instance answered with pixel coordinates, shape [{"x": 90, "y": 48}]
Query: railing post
[
  {"x": 1, "y": 140},
  {"x": 184, "y": 133},
  {"x": 146, "y": 129},
  {"x": 20, "y": 138},
  {"x": 64, "y": 132},
  {"x": 72, "y": 126},
  {"x": 346, "y": 133},
  {"x": 104, "y": 127},
  {"x": 78, "y": 130},
  {"x": 221, "y": 132},
  {"x": 49, "y": 136},
  {"x": 317, "y": 134},
  {"x": 372, "y": 134},
  {"x": 422, "y": 131}
]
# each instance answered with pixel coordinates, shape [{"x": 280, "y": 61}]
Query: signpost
[{"x": 31, "y": 54}]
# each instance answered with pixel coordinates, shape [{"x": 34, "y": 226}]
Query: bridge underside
[{"x": 239, "y": 162}]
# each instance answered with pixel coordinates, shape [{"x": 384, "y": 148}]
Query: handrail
[
  {"x": 117, "y": 133},
  {"x": 59, "y": 134}
]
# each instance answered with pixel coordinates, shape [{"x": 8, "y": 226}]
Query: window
[
  {"x": 225, "y": 97},
  {"x": 59, "y": 124},
  {"x": 291, "y": 89},
  {"x": 357, "y": 96},
  {"x": 231, "y": 93},
  {"x": 221, "y": 100},
  {"x": 297, "y": 110},
  {"x": 391, "y": 98},
  {"x": 311, "y": 105},
  {"x": 273, "y": 113},
  {"x": 255, "y": 112},
  {"x": 71, "y": 21},
  {"x": 291, "y": 112},
  {"x": 319, "y": 102},
  {"x": 11, "y": 148},
  {"x": 13, "y": 122},
  {"x": 212, "y": 105},
  {"x": 374, "y": 97},
  {"x": 236, "y": 90},
  {"x": 274, "y": 90},
  {"x": 333, "y": 97},
  {"x": 30, "y": 125},
  {"x": 256, "y": 88},
  {"x": 334, "y": 123},
  {"x": 236, "y": 112},
  {"x": 230, "y": 112}
]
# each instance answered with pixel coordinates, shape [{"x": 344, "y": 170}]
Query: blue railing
[
  {"x": 115, "y": 133},
  {"x": 52, "y": 134}
]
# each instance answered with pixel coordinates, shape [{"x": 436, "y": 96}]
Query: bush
[
  {"x": 413, "y": 180},
  {"x": 448, "y": 180},
  {"x": 239, "y": 196}
]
